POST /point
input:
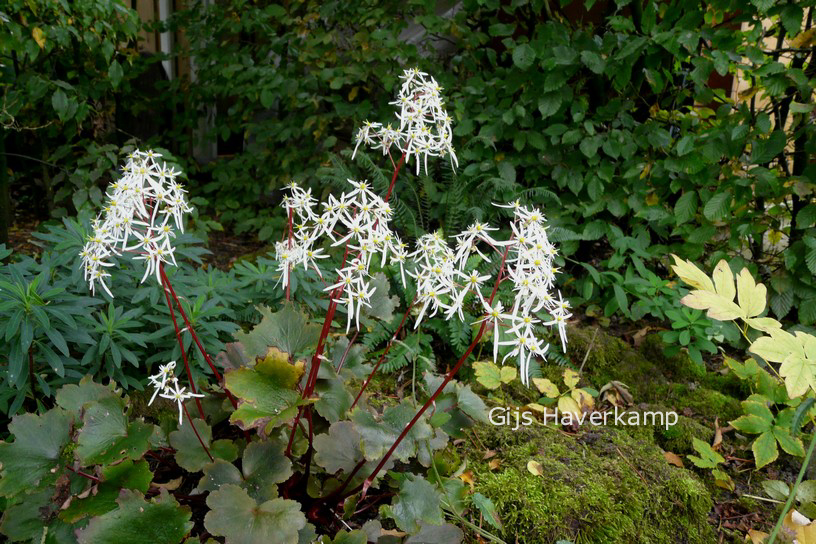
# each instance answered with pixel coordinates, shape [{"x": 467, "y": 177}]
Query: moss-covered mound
[{"x": 603, "y": 486}]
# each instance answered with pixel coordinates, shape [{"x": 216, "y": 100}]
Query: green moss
[
  {"x": 678, "y": 438},
  {"x": 608, "y": 485},
  {"x": 702, "y": 401}
]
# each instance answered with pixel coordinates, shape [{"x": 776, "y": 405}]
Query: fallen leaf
[
  {"x": 467, "y": 477},
  {"x": 757, "y": 537},
  {"x": 535, "y": 468},
  {"x": 39, "y": 36},
  {"x": 172, "y": 485},
  {"x": 673, "y": 459},
  {"x": 638, "y": 337},
  {"x": 488, "y": 454},
  {"x": 494, "y": 464}
]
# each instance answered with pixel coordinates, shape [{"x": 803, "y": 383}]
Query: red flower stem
[
  {"x": 346, "y": 352},
  {"x": 448, "y": 377},
  {"x": 384, "y": 354},
  {"x": 289, "y": 283},
  {"x": 394, "y": 177},
  {"x": 178, "y": 337},
  {"x": 190, "y": 328},
  {"x": 84, "y": 474},
  {"x": 190, "y": 419}
]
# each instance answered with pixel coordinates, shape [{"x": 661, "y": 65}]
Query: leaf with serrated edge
[
  {"x": 787, "y": 442},
  {"x": 798, "y": 373},
  {"x": 689, "y": 273},
  {"x": 724, "y": 280},
  {"x": 751, "y": 295},
  {"x": 546, "y": 387},
  {"x": 417, "y": 501},
  {"x": 238, "y": 517},
  {"x": 765, "y": 450},
  {"x": 718, "y": 307},
  {"x": 38, "y": 441},
  {"x": 160, "y": 521}
]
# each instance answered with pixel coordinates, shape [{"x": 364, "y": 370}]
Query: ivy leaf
[
  {"x": 764, "y": 449},
  {"x": 267, "y": 392},
  {"x": 288, "y": 330},
  {"x": 107, "y": 437},
  {"x": 136, "y": 521},
  {"x": 190, "y": 455},
  {"x": 238, "y": 517},
  {"x": 38, "y": 442},
  {"x": 524, "y": 56},
  {"x": 417, "y": 501}
]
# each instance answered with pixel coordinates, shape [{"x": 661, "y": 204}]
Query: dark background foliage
[{"x": 624, "y": 121}]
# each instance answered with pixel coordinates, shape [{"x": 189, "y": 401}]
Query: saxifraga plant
[{"x": 320, "y": 448}]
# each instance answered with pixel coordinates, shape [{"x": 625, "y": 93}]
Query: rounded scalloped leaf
[
  {"x": 339, "y": 449},
  {"x": 378, "y": 436},
  {"x": 288, "y": 330},
  {"x": 190, "y": 455},
  {"x": 135, "y": 521},
  {"x": 107, "y": 437},
  {"x": 418, "y": 501},
  {"x": 73, "y": 397},
  {"x": 38, "y": 441},
  {"x": 267, "y": 391},
  {"x": 238, "y": 517},
  {"x": 264, "y": 465}
]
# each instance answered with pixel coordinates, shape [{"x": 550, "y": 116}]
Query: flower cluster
[
  {"x": 424, "y": 125},
  {"x": 166, "y": 386},
  {"x": 447, "y": 278},
  {"x": 143, "y": 209},
  {"x": 357, "y": 220}
]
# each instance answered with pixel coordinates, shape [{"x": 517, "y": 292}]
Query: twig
[{"x": 589, "y": 349}]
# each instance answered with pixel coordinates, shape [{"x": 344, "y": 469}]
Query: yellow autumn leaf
[
  {"x": 568, "y": 405},
  {"x": 39, "y": 36},
  {"x": 778, "y": 346},
  {"x": 535, "y": 468},
  {"x": 584, "y": 399},
  {"x": 652, "y": 199},
  {"x": 808, "y": 343},
  {"x": 804, "y": 38},
  {"x": 353, "y": 93},
  {"x": 546, "y": 387},
  {"x": 508, "y": 374},
  {"x": 724, "y": 280},
  {"x": 689, "y": 273},
  {"x": 750, "y": 294},
  {"x": 571, "y": 378},
  {"x": 798, "y": 373},
  {"x": 718, "y": 307},
  {"x": 764, "y": 324}
]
